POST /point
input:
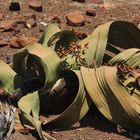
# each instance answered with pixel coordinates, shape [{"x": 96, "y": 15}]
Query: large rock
[
  {"x": 35, "y": 5},
  {"x": 7, "y": 25},
  {"x": 20, "y": 42},
  {"x": 75, "y": 19}
]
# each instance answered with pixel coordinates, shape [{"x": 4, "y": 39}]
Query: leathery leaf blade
[
  {"x": 65, "y": 38},
  {"x": 75, "y": 111},
  {"x": 124, "y": 56},
  {"x": 51, "y": 29},
  {"x": 111, "y": 98},
  {"x": 30, "y": 104},
  {"x": 9, "y": 80},
  {"x": 94, "y": 46},
  {"x": 46, "y": 59}
]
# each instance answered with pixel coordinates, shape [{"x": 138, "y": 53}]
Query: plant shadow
[{"x": 97, "y": 121}]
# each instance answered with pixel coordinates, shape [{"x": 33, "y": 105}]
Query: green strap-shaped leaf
[
  {"x": 47, "y": 60},
  {"x": 98, "y": 42},
  {"x": 117, "y": 33},
  {"x": 50, "y": 30},
  {"x": 9, "y": 80},
  {"x": 94, "y": 46},
  {"x": 65, "y": 39},
  {"x": 110, "y": 97},
  {"x": 76, "y": 110},
  {"x": 19, "y": 62},
  {"x": 124, "y": 56},
  {"x": 134, "y": 61},
  {"x": 30, "y": 104},
  {"x": 129, "y": 56},
  {"x": 49, "y": 65}
]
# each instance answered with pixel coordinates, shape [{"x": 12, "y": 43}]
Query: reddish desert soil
[{"x": 91, "y": 127}]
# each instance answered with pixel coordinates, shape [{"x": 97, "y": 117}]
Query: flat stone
[
  {"x": 21, "y": 42},
  {"x": 75, "y": 19},
  {"x": 91, "y": 12},
  {"x": 7, "y": 25},
  {"x": 35, "y": 5},
  {"x": 14, "y": 6}
]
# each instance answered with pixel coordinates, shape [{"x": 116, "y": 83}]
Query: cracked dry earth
[{"x": 92, "y": 127}]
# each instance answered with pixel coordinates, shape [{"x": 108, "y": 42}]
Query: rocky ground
[{"x": 24, "y": 23}]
